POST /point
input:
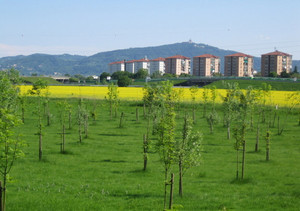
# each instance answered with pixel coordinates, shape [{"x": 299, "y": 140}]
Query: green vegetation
[
  {"x": 33, "y": 79},
  {"x": 243, "y": 84},
  {"x": 105, "y": 171}
]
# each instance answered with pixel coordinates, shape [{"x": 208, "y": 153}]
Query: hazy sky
[{"x": 86, "y": 27}]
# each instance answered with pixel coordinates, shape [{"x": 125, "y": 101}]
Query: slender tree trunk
[
  {"x": 144, "y": 111},
  {"x": 278, "y": 125},
  {"x": 40, "y": 142},
  {"x": 63, "y": 139},
  {"x": 268, "y": 146},
  {"x": 145, "y": 152},
  {"x": 166, "y": 184},
  {"x": 70, "y": 120},
  {"x": 243, "y": 159},
  {"x": 121, "y": 120},
  {"x": 180, "y": 178},
  {"x": 137, "y": 114},
  {"x": 86, "y": 124},
  {"x": 48, "y": 118},
  {"x": 273, "y": 124},
  {"x": 4, "y": 192},
  {"x": 110, "y": 105},
  {"x": 171, "y": 192},
  {"x": 228, "y": 129},
  {"x": 237, "y": 164},
  {"x": 257, "y": 138},
  {"x": 23, "y": 114}
]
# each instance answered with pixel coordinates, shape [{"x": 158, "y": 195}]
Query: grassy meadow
[{"x": 105, "y": 171}]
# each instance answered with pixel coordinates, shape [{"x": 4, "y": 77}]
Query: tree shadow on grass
[
  {"x": 109, "y": 134},
  {"x": 107, "y": 161}
]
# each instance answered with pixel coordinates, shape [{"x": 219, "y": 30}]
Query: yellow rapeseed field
[{"x": 280, "y": 98}]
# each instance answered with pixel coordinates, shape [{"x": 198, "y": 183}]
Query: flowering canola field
[{"x": 280, "y": 98}]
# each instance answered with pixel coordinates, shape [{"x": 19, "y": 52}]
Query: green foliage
[
  {"x": 38, "y": 86},
  {"x": 257, "y": 84},
  {"x": 124, "y": 81},
  {"x": 141, "y": 74},
  {"x": 284, "y": 74},
  {"x": 113, "y": 98},
  {"x": 189, "y": 147},
  {"x": 103, "y": 76},
  {"x": 10, "y": 144},
  {"x": 117, "y": 75},
  {"x": 273, "y": 74},
  {"x": 111, "y": 159}
]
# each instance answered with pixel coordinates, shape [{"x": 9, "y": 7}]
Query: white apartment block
[
  {"x": 116, "y": 66},
  {"x": 141, "y": 64},
  {"x": 129, "y": 66},
  {"x": 157, "y": 64}
]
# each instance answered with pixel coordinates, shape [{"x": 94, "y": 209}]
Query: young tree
[
  {"x": 166, "y": 130},
  {"x": 188, "y": 150},
  {"x": 10, "y": 145},
  {"x": 63, "y": 112},
  {"x": 194, "y": 90},
  {"x": 205, "y": 100},
  {"x": 113, "y": 99},
  {"x": 268, "y": 146},
  {"x": 37, "y": 90},
  {"x": 230, "y": 104}
]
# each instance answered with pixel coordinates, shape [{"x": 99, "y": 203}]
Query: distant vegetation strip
[
  {"x": 256, "y": 84},
  {"x": 280, "y": 98}
]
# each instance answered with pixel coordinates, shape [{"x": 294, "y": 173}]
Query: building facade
[
  {"x": 206, "y": 65},
  {"x": 177, "y": 65},
  {"x": 239, "y": 65},
  {"x": 116, "y": 66},
  {"x": 141, "y": 64},
  {"x": 129, "y": 66},
  {"x": 157, "y": 64},
  {"x": 275, "y": 62}
]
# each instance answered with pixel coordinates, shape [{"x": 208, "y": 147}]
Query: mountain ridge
[{"x": 45, "y": 64}]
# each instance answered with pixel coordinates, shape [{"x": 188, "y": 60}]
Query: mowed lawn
[{"x": 104, "y": 172}]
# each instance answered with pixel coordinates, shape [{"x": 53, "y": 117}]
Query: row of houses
[{"x": 238, "y": 64}]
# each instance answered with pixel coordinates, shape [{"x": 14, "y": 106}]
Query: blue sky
[{"x": 91, "y": 26}]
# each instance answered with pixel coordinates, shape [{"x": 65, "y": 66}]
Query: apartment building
[
  {"x": 275, "y": 62},
  {"x": 129, "y": 66},
  {"x": 116, "y": 66},
  {"x": 157, "y": 64},
  {"x": 141, "y": 64},
  {"x": 206, "y": 65},
  {"x": 238, "y": 64},
  {"x": 177, "y": 65}
]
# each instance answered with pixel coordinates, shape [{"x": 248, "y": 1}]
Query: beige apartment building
[
  {"x": 177, "y": 65},
  {"x": 206, "y": 65},
  {"x": 275, "y": 62},
  {"x": 238, "y": 64}
]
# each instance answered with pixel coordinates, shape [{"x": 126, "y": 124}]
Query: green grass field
[{"x": 105, "y": 171}]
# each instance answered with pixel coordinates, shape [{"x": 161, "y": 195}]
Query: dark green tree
[
  {"x": 124, "y": 81},
  {"x": 141, "y": 74}
]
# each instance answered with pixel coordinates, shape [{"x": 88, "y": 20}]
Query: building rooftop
[
  {"x": 178, "y": 57},
  {"x": 207, "y": 56},
  {"x": 276, "y": 53},
  {"x": 240, "y": 55},
  {"x": 158, "y": 59},
  {"x": 119, "y": 62}
]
